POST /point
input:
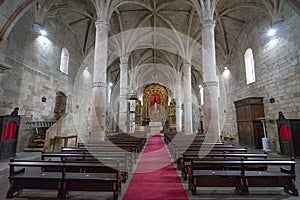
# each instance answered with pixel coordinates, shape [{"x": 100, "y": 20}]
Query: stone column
[
  {"x": 188, "y": 125},
  {"x": 123, "y": 111},
  {"x": 178, "y": 102},
  {"x": 210, "y": 85},
  {"x": 98, "y": 111}
]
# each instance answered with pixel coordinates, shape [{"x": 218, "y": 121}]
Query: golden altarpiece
[{"x": 155, "y": 108}]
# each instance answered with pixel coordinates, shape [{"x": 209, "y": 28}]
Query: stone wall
[
  {"x": 35, "y": 73},
  {"x": 277, "y": 68}
]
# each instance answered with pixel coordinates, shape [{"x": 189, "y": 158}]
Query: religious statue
[
  {"x": 15, "y": 112},
  {"x": 157, "y": 112}
]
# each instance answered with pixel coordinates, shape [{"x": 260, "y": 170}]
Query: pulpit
[{"x": 9, "y": 128}]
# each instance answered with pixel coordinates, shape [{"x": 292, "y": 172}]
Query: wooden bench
[
  {"x": 95, "y": 177},
  {"x": 130, "y": 152},
  {"x": 179, "y": 148},
  {"x": 199, "y": 149},
  {"x": 203, "y": 175},
  {"x": 123, "y": 138},
  {"x": 177, "y": 136},
  {"x": 185, "y": 161},
  {"x": 124, "y": 144},
  {"x": 124, "y": 164},
  {"x": 108, "y": 147}
]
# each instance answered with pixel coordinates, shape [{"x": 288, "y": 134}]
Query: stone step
[
  {"x": 36, "y": 145},
  {"x": 39, "y": 141},
  {"x": 31, "y": 149}
]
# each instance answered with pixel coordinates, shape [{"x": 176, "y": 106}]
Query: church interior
[{"x": 158, "y": 79}]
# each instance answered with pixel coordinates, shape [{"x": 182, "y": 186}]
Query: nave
[{"x": 155, "y": 177}]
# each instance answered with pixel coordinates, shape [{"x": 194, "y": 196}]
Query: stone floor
[{"x": 204, "y": 193}]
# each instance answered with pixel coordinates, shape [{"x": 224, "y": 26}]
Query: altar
[
  {"x": 155, "y": 107},
  {"x": 155, "y": 127},
  {"x": 155, "y": 124}
]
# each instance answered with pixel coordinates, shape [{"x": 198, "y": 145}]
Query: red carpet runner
[{"x": 155, "y": 176}]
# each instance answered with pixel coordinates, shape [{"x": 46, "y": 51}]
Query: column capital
[
  {"x": 99, "y": 84},
  {"x": 103, "y": 24},
  {"x": 210, "y": 83},
  {"x": 186, "y": 63},
  {"x": 209, "y": 23},
  {"x": 124, "y": 58},
  {"x": 123, "y": 65}
]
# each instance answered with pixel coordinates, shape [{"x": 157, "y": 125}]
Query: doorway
[{"x": 60, "y": 105}]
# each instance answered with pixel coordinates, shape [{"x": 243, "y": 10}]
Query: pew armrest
[
  {"x": 286, "y": 171},
  {"x": 21, "y": 171}
]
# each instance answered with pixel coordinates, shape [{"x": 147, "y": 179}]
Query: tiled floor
[{"x": 204, "y": 193}]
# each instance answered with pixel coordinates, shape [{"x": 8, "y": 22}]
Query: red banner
[{"x": 154, "y": 98}]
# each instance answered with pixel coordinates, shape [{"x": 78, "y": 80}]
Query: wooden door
[
  {"x": 250, "y": 130},
  {"x": 245, "y": 131},
  {"x": 258, "y": 132}
]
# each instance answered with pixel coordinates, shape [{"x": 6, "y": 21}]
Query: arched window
[
  {"x": 249, "y": 66},
  {"x": 218, "y": 81},
  {"x": 64, "y": 60},
  {"x": 201, "y": 95}
]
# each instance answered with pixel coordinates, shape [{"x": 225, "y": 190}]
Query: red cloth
[
  {"x": 285, "y": 132},
  {"x": 9, "y": 131},
  {"x": 155, "y": 177},
  {"x": 156, "y": 97}
]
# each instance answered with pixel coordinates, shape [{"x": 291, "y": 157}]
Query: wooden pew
[
  {"x": 125, "y": 138},
  {"x": 124, "y": 164},
  {"x": 130, "y": 152},
  {"x": 197, "y": 149},
  {"x": 180, "y": 136},
  {"x": 96, "y": 177},
  {"x": 110, "y": 147},
  {"x": 185, "y": 161},
  {"x": 211, "y": 173},
  {"x": 122, "y": 145},
  {"x": 179, "y": 150}
]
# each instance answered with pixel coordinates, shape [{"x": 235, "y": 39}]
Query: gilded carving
[{"x": 150, "y": 90}]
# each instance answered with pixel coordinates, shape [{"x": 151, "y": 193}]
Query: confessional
[
  {"x": 289, "y": 135},
  {"x": 9, "y": 129}
]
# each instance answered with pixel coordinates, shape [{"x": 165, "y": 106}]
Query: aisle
[{"x": 155, "y": 176}]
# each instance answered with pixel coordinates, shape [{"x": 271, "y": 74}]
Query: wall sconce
[
  {"x": 44, "y": 99},
  {"x": 272, "y": 100}
]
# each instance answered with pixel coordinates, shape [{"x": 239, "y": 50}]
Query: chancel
[{"x": 149, "y": 99}]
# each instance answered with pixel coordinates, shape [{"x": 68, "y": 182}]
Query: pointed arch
[
  {"x": 249, "y": 66},
  {"x": 64, "y": 60}
]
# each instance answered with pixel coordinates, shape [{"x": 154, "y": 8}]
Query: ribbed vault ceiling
[{"x": 231, "y": 17}]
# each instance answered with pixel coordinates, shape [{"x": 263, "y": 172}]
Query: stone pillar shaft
[
  {"x": 210, "y": 85},
  {"x": 99, "y": 87},
  {"x": 123, "y": 97},
  {"x": 178, "y": 103},
  {"x": 188, "y": 125}
]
